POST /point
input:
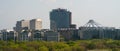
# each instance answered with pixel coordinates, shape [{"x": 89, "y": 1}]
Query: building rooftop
[
  {"x": 60, "y": 10},
  {"x": 92, "y": 23},
  {"x": 37, "y": 19}
]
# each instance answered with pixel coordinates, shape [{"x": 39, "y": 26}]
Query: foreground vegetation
[{"x": 80, "y": 45}]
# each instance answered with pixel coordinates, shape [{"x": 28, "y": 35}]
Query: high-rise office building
[
  {"x": 23, "y": 24},
  {"x": 60, "y": 18},
  {"x": 36, "y": 24}
]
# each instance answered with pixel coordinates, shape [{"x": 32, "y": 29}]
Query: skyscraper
[
  {"x": 36, "y": 24},
  {"x": 60, "y": 18}
]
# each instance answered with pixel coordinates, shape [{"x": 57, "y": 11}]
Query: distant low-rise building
[
  {"x": 0, "y": 35},
  {"x": 109, "y": 33},
  {"x": 68, "y": 33},
  {"x": 25, "y": 35},
  {"x": 89, "y": 33},
  {"x": 8, "y": 35},
  {"x": 118, "y": 34},
  {"x": 93, "y": 30},
  {"x": 38, "y": 35},
  {"x": 52, "y": 36}
]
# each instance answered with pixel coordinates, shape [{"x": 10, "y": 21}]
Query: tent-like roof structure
[{"x": 92, "y": 23}]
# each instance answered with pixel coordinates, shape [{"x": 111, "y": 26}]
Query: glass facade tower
[{"x": 60, "y": 18}]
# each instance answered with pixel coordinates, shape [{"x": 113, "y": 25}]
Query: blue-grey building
[
  {"x": 93, "y": 30},
  {"x": 8, "y": 35},
  {"x": 60, "y": 18},
  {"x": 52, "y": 36}
]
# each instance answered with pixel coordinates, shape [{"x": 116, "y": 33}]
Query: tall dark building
[{"x": 60, "y": 18}]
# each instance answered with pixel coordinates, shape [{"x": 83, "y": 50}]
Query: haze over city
[{"x": 105, "y": 12}]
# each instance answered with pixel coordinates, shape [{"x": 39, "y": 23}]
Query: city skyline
[{"x": 105, "y": 12}]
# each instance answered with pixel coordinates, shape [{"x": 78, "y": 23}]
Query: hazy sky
[{"x": 105, "y": 12}]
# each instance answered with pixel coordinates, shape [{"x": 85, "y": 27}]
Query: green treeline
[{"x": 79, "y": 45}]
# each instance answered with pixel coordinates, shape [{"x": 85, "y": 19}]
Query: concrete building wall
[{"x": 36, "y": 24}]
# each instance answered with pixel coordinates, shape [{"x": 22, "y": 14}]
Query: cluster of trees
[{"x": 79, "y": 45}]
